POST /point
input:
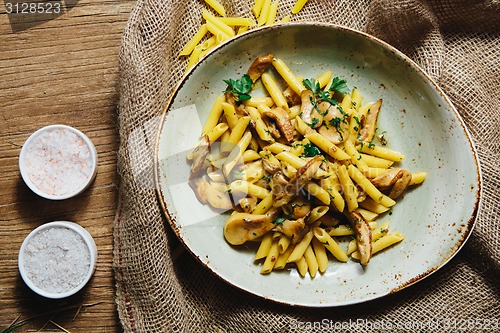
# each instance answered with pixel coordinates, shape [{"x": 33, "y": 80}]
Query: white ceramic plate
[{"x": 436, "y": 217}]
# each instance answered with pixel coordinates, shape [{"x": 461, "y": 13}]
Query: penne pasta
[
  {"x": 230, "y": 113},
  {"x": 317, "y": 213},
  {"x": 256, "y": 101},
  {"x": 330, "y": 244},
  {"x": 273, "y": 90},
  {"x": 300, "y": 247},
  {"x": 264, "y": 205},
  {"x": 249, "y": 188},
  {"x": 236, "y": 153},
  {"x": 191, "y": 44},
  {"x": 283, "y": 257},
  {"x": 260, "y": 126},
  {"x": 382, "y": 243},
  {"x": 321, "y": 256},
  {"x": 264, "y": 13},
  {"x": 302, "y": 266},
  {"x": 257, "y": 7},
  {"x": 297, "y": 7},
  {"x": 250, "y": 156},
  {"x": 264, "y": 246},
  {"x": 417, "y": 178},
  {"x": 238, "y": 130},
  {"x": 348, "y": 188},
  {"x": 238, "y": 21},
  {"x": 312, "y": 263},
  {"x": 217, "y": 6},
  {"x": 219, "y": 34},
  {"x": 381, "y": 152},
  {"x": 356, "y": 158},
  {"x": 373, "y": 206},
  {"x": 324, "y": 80},
  {"x": 271, "y": 258},
  {"x": 273, "y": 10},
  {"x": 194, "y": 57},
  {"x": 215, "y": 113},
  {"x": 356, "y": 99},
  {"x": 293, "y": 82},
  {"x": 217, "y": 22},
  {"x": 369, "y": 188},
  {"x": 318, "y": 192},
  {"x": 217, "y": 131},
  {"x": 328, "y": 147}
]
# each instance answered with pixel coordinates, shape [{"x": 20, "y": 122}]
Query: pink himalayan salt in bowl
[{"x": 58, "y": 162}]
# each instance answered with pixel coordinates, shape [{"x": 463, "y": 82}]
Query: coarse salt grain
[
  {"x": 58, "y": 162},
  {"x": 56, "y": 259}
]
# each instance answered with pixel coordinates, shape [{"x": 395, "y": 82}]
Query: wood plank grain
[{"x": 60, "y": 69}]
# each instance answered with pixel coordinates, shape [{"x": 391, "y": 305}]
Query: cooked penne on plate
[{"x": 303, "y": 174}]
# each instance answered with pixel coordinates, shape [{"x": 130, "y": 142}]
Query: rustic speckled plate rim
[{"x": 466, "y": 232}]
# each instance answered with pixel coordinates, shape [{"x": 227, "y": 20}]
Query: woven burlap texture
[{"x": 161, "y": 288}]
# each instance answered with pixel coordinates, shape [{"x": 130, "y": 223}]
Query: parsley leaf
[
  {"x": 311, "y": 150},
  {"x": 279, "y": 220},
  {"x": 339, "y": 85},
  {"x": 240, "y": 88}
]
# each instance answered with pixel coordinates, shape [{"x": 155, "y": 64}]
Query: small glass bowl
[
  {"x": 24, "y": 169},
  {"x": 89, "y": 242}
]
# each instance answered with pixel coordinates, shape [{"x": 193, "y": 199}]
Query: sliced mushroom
[
  {"x": 278, "y": 183},
  {"x": 291, "y": 97},
  {"x": 282, "y": 120},
  {"x": 270, "y": 163},
  {"x": 207, "y": 193},
  {"x": 199, "y": 156},
  {"x": 387, "y": 179},
  {"x": 335, "y": 127},
  {"x": 297, "y": 208},
  {"x": 301, "y": 177},
  {"x": 259, "y": 66},
  {"x": 242, "y": 227},
  {"x": 272, "y": 127},
  {"x": 248, "y": 204},
  {"x": 198, "y": 186},
  {"x": 400, "y": 185},
  {"x": 308, "y": 112},
  {"x": 293, "y": 229},
  {"x": 370, "y": 122},
  {"x": 329, "y": 220},
  {"x": 363, "y": 235}
]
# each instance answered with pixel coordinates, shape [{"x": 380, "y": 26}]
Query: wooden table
[{"x": 59, "y": 68}]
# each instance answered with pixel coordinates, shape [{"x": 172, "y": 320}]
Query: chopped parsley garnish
[
  {"x": 279, "y": 220},
  {"x": 335, "y": 122},
  {"x": 240, "y": 88},
  {"x": 314, "y": 122},
  {"x": 357, "y": 120},
  {"x": 311, "y": 150}
]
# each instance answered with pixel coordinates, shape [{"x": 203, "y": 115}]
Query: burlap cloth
[{"x": 161, "y": 288}]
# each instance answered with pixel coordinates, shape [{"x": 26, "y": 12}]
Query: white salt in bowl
[
  {"x": 58, "y": 162},
  {"x": 57, "y": 259}
]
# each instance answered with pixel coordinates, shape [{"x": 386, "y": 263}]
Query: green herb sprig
[
  {"x": 338, "y": 85},
  {"x": 240, "y": 89}
]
